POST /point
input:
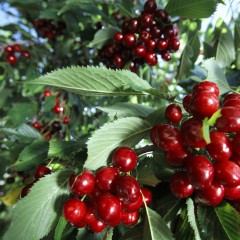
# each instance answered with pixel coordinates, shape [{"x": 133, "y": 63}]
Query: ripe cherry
[
  {"x": 47, "y": 92},
  {"x": 26, "y": 54},
  {"x": 173, "y": 113},
  {"x": 146, "y": 20},
  {"x": 166, "y": 56},
  {"x": 200, "y": 171},
  {"x": 156, "y": 31},
  {"x": 174, "y": 44},
  {"x": 41, "y": 171},
  {"x": 151, "y": 58},
  {"x": 8, "y": 49},
  {"x": 151, "y": 45},
  {"x": 232, "y": 193},
  {"x": 25, "y": 191},
  {"x": 118, "y": 61},
  {"x": 89, "y": 216},
  {"x": 150, "y": 6},
  {"x": 129, "y": 40},
  {"x": 231, "y": 96},
  {"x": 232, "y": 103},
  {"x": 144, "y": 36},
  {"x": 133, "y": 25},
  {"x": 11, "y": 59},
  {"x": 36, "y": 125},
  {"x": 74, "y": 210},
  {"x": 124, "y": 159},
  {"x": 147, "y": 195},
  {"x": 162, "y": 44},
  {"x": 58, "y": 109},
  {"x": 17, "y": 47},
  {"x": 180, "y": 185},
  {"x": 140, "y": 51},
  {"x": 118, "y": 37},
  {"x": 186, "y": 102},
  {"x": 132, "y": 207},
  {"x": 82, "y": 184},
  {"x": 66, "y": 120},
  {"x": 162, "y": 16},
  {"x": 206, "y": 86},
  {"x": 236, "y": 143},
  {"x": 97, "y": 226},
  {"x": 130, "y": 218}
]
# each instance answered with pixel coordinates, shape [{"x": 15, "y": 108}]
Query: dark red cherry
[
  {"x": 231, "y": 96},
  {"x": 232, "y": 193},
  {"x": 186, "y": 102},
  {"x": 174, "y": 44},
  {"x": 97, "y": 226},
  {"x": 118, "y": 37},
  {"x": 130, "y": 218},
  {"x": 118, "y": 61},
  {"x": 89, "y": 216},
  {"x": 140, "y": 51},
  {"x": 25, "y": 191},
  {"x": 146, "y": 20},
  {"x": 150, "y": 6},
  {"x": 151, "y": 45},
  {"x": 129, "y": 40},
  {"x": 8, "y": 49},
  {"x": 17, "y": 47},
  {"x": 26, "y": 54},
  {"x": 235, "y": 158},
  {"x": 156, "y": 31},
  {"x": 151, "y": 58},
  {"x": 166, "y": 56},
  {"x": 11, "y": 59},
  {"x": 134, "y": 25},
  {"x": 145, "y": 36},
  {"x": 206, "y": 86},
  {"x": 147, "y": 195},
  {"x": 41, "y": 171},
  {"x": 36, "y": 125},
  {"x": 162, "y": 16},
  {"x": 132, "y": 207},
  {"x": 173, "y": 113},
  {"x": 236, "y": 143},
  {"x": 162, "y": 44}
]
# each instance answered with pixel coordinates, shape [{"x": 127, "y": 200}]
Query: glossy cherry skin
[
  {"x": 130, "y": 218},
  {"x": 232, "y": 103},
  {"x": 118, "y": 61},
  {"x": 232, "y": 193},
  {"x": 118, "y": 37},
  {"x": 127, "y": 189},
  {"x": 204, "y": 104},
  {"x": 236, "y": 143},
  {"x": 89, "y": 216},
  {"x": 74, "y": 210},
  {"x": 8, "y": 49},
  {"x": 200, "y": 171},
  {"x": 186, "y": 102},
  {"x": 211, "y": 196},
  {"x": 229, "y": 121},
  {"x": 235, "y": 158},
  {"x": 144, "y": 36},
  {"x": 105, "y": 178},
  {"x": 173, "y": 113},
  {"x": 97, "y": 226},
  {"x": 231, "y": 96},
  {"x": 58, "y": 109},
  {"x": 174, "y": 44},
  {"x": 166, "y": 56},
  {"x": 132, "y": 207},
  {"x": 151, "y": 58},
  {"x": 11, "y": 59},
  {"x": 26, "y": 54},
  {"x": 150, "y": 6},
  {"x": 129, "y": 40},
  {"x": 47, "y": 93},
  {"x": 180, "y": 185},
  {"x": 66, "y": 120},
  {"x": 82, "y": 184},
  {"x": 162, "y": 44},
  {"x": 36, "y": 125},
  {"x": 146, "y": 20},
  {"x": 140, "y": 51},
  {"x": 41, "y": 171},
  {"x": 192, "y": 134},
  {"x": 151, "y": 45},
  {"x": 169, "y": 137},
  {"x": 206, "y": 86},
  {"x": 154, "y": 134},
  {"x": 133, "y": 25},
  {"x": 156, "y": 31},
  {"x": 220, "y": 148},
  {"x": 227, "y": 173},
  {"x": 108, "y": 209},
  {"x": 162, "y": 15},
  {"x": 17, "y": 47},
  {"x": 147, "y": 195},
  {"x": 124, "y": 159}
]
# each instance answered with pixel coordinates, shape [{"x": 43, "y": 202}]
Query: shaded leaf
[
  {"x": 237, "y": 43},
  {"x": 62, "y": 223},
  {"x": 146, "y": 177},
  {"x": 135, "y": 233}
]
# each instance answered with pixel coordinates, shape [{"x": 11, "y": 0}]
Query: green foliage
[
  {"x": 60, "y": 228},
  {"x": 35, "y": 215}
]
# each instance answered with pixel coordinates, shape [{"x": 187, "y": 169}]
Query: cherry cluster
[
  {"x": 49, "y": 29},
  {"x": 109, "y": 197},
  {"x": 13, "y": 50},
  {"x": 205, "y": 146},
  {"x": 55, "y": 126},
  {"x": 39, "y": 172},
  {"x": 142, "y": 39}
]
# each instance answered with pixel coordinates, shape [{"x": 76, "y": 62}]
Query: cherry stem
[{"x": 146, "y": 149}]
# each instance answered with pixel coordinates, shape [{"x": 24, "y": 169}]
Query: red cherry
[
  {"x": 130, "y": 218},
  {"x": 26, "y": 54},
  {"x": 36, "y": 125},
  {"x": 206, "y": 86},
  {"x": 58, "y": 109},
  {"x": 166, "y": 56},
  {"x": 169, "y": 31},
  {"x": 89, "y": 217},
  {"x": 124, "y": 159},
  {"x": 47, "y": 93},
  {"x": 94, "y": 195},
  {"x": 129, "y": 40},
  {"x": 180, "y": 185},
  {"x": 140, "y": 51},
  {"x": 200, "y": 171},
  {"x": 147, "y": 195},
  {"x": 41, "y": 171},
  {"x": 25, "y": 191},
  {"x": 144, "y": 36},
  {"x": 133, "y": 67},
  {"x": 151, "y": 45},
  {"x": 108, "y": 209},
  {"x": 132, "y": 207},
  {"x": 220, "y": 148},
  {"x": 97, "y": 226},
  {"x": 156, "y": 31},
  {"x": 146, "y": 20},
  {"x": 236, "y": 143},
  {"x": 82, "y": 184},
  {"x": 11, "y": 59},
  {"x": 118, "y": 37},
  {"x": 74, "y": 210},
  {"x": 235, "y": 158},
  {"x": 173, "y": 113},
  {"x": 17, "y": 47},
  {"x": 186, "y": 102},
  {"x": 232, "y": 193},
  {"x": 105, "y": 178},
  {"x": 80, "y": 224},
  {"x": 8, "y": 49},
  {"x": 118, "y": 61},
  {"x": 66, "y": 120},
  {"x": 150, "y": 6},
  {"x": 227, "y": 173},
  {"x": 211, "y": 196},
  {"x": 133, "y": 25},
  {"x": 162, "y": 16},
  {"x": 232, "y": 103},
  {"x": 174, "y": 44},
  {"x": 151, "y": 58},
  {"x": 154, "y": 134},
  {"x": 231, "y": 96},
  {"x": 162, "y": 44}
]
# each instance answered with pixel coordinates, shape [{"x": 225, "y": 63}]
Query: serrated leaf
[
  {"x": 64, "y": 149},
  {"x": 32, "y": 155},
  {"x": 20, "y": 112},
  {"x": 123, "y": 132},
  {"x": 127, "y": 110},
  {"x": 109, "y": 234},
  {"x": 35, "y": 215},
  {"x": 49, "y": 103},
  {"x": 155, "y": 228},
  {"x": 191, "y": 9},
  {"x": 62, "y": 223},
  {"x": 192, "y": 218},
  {"x": 25, "y": 133},
  {"x": 102, "y": 36},
  {"x": 221, "y": 222},
  {"x": 135, "y": 233},
  {"x": 94, "y": 81},
  {"x": 225, "y": 51},
  {"x": 216, "y": 74},
  {"x": 146, "y": 177}
]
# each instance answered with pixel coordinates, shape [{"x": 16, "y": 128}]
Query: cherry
[
  {"x": 162, "y": 16},
  {"x": 94, "y": 195},
  {"x": 151, "y": 58},
  {"x": 74, "y": 210},
  {"x": 220, "y": 148},
  {"x": 8, "y": 49},
  {"x": 232, "y": 103},
  {"x": 166, "y": 56},
  {"x": 130, "y": 218},
  {"x": 118, "y": 61},
  {"x": 227, "y": 173},
  {"x": 133, "y": 67},
  {"x": 82, "y": 184},
  {"x": 147, "y": 195},
  {"x": 206, "y": 86},
  {"x": 132, "y": 207},
  {"x": 162, "y": 44},
  {"x": 200, "y": 171},
  {"x": 127, "y": 189},
  {"x": 154, "y": 134},
  {"x": 150, "y": 6},
  {"x": 17, "y": 47},
  {"x": 47, "y": 92},
  {"x": 146, "y": 20},
  {"x": 133, "y": 25},
  {"x": 36, "y": 125},
  {"x": 25, "y": 191},
  {"x": 231, "y": 96},
  {"x": 180, "y": 185},
  {"x": 174, "y": 44},
  {"x": 169, "y": 31},
  {"x": 105, "y": 178},
  {"x": 151, "y": 45},
  {"x": 89, "y": 217},
  {"x": 124, "y": 159},
  {"x": 229, "y": 121},
  {"x": 232, "y": 193},
  {"x": 144, "y": 36},
  {"x": 118, "y": 37},
  {"x": 129, "y": 40},
  {"x": 66, "y": 120},
  {"x": 41, "y": 171},
  {"x": 236, "y": 143},
  {"x": 204, "y": 104},
  {"x": 235, "y": 158},
  {"x": 173, "y": 113},
  {"x": 11, "y": 59},
  {"x": 211, "y": 196},
  {"x": 186, "y": 102},
  {"x": 140, "y": 51},
  {"x": 58, "y": 109},
  {"x": 56, "y": 126},
  {"x": 108, "y": 209},
  {"x": 26, "y": 54},
  {"x": 192, "y": 134},
  {"x": 80, "y": 224},
  {"x": 97, "y": 226},
  {"x": 156, "y": 31}
]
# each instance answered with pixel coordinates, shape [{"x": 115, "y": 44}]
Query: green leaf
[
  {"x": 135, "y": 233},
  {"x": 191, "y": 9},
  {"x": 146, "y": 177},
  {"x": 62, "y": 223},
  {"x": 35, "y": 215},
  {"x": 94, "y": 81},
  {"x": 20, "y": 112},
  {"x": 49, "y": 103},
  {"x": 32, "y": 155},
  {"x": 123, "y": 132},
  {"x": 192, "y": 218},
  {"x": 216, "y": 74},
  {"x": 221, "y": 222},
  {"x": 24, "y": 133},
  {"x": 237, "y": 43},
  {"x": 127, "y": 110},
  {"x": 225, "y": 51},
  {"x": 102, "y": 36},
  {"x": 155, "y": 228},
  {"x": 64, "y": 149}
]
